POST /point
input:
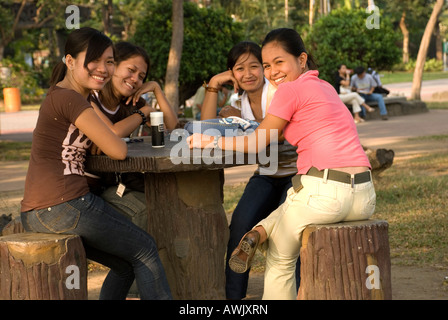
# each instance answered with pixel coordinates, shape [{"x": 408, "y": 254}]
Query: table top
[
  {"x": 176, "y": 156},
  {"x": 173, "y": 157}
]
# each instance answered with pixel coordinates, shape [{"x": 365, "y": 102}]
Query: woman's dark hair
[
  {"x": 79, "y": 40},
  {"x": 125, "y": 50},
  {"x": 291, "y": 42},
  {"x": 241, "y": 48}
]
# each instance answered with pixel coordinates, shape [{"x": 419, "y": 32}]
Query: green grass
[
  {"x": 394, "y": 77},
  {"x": 26, "y": 107},
  {"x": 14, "y": 151},
  {"x": 443, "y": 105},
  {"x": 412, "y": 197}
]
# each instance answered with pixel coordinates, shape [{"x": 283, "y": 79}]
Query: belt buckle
[{"x": 352, "y": 180}]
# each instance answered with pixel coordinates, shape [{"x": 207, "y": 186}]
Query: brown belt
[{"x": 334, "y": 175}]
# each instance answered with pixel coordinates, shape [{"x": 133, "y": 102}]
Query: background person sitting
[
  {"x": 364, "y": 84},
  {"x": 342, "y": 86},
  {"x": 379, "y": 86},
  {"x": 198, "y": 100}
]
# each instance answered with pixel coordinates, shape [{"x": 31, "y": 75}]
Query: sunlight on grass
[
  {"x": 412, "y": 197},
  {"x": 14, "y": 151}
]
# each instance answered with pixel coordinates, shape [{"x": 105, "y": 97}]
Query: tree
[
  {"x": 423, "y": 50},
  {"x": 24, "y": 15},
  {"x": 208, "y": 36},
  {"x": 405, "y": 32},
  {"x": 175, "y": 54}
]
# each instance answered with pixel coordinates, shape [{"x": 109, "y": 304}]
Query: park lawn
[{"x": 401, "y": 76}]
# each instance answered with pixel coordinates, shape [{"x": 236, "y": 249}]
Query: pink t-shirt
[{"x": 320, "y": 125}]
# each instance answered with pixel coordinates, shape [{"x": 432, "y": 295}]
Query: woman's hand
[
  {"x": 223, "y": 78},
  {"x": 229, "y": 111},
  {"x": 95, "y": 150},
  {"x": 199, "y": 140},
  {"x": 150, "y": 86}
]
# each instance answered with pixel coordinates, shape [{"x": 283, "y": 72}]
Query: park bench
[{"x": 396, "y": 106}]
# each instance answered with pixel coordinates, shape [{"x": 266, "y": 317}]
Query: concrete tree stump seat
[
  {"x": 346, "y": 261},
  {"x": 41, "y": 266}
]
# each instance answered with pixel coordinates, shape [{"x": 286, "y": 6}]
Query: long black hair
[
  {"x": 243, "y": 47},
  {"x": 125, "y": 50},
  {"x": 291, "y": 42},
  {"x": 79, "y": 40}
]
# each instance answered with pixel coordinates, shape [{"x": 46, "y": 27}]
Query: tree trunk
[
  {"x": 345, "y": 261},
  {"x": 439, "y": 42},
  {"x": 41, "y": 266},
  {"x": 175, "y": 55},
  {"x": 423, "y": 50},
  {"x": 311, "y": 13},
  {"x": 405, "y": 32}
]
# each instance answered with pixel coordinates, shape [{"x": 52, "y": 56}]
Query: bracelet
[
  {"x": 215, "y": 142},
  {"x": 210, "y": 89},
  {"x": 144, "y": 119}
]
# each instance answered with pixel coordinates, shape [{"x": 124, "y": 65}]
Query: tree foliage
[
  {"x": 342, "y": 37},
  {"x": 208, "y": 36}
]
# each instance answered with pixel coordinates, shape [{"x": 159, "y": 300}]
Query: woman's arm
[
  {"x": 97, "y": 131},
  {"x": 125, "y": 127},
  {"x": 208, "y": 110},
  {"x": 268, "y": 131},
  {"x": 169, "y": 116}
]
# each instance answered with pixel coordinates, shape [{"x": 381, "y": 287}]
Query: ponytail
[{"x": 58, "y": 73}]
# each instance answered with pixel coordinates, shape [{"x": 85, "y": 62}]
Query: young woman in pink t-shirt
[{"x": 334, "y": 181}]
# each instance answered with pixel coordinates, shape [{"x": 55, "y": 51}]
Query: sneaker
[
  {"x": 242, "y": 256},
  {"x": 384, "y": 117}
]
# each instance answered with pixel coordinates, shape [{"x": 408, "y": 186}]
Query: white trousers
[
  {"x": 354, "y": 99},
  {"x": 319, "y": 202}
]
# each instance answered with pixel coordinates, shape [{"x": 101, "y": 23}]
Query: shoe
[
  {"x": 370, "y": 109},
  {"x": 384, "y": 117},
  {"x": 242, "y": 256},
  {"x": 359, "y": 120}
]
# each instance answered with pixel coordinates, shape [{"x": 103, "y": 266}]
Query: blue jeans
[
  {"x": 110, "y": 239},
  {"x": 376, "y": 97},
  {"x": 262, "y": 195}
]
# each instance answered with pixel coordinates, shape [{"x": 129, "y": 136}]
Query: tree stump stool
[
  {"x": 346, "y": 261},
  {"x": 41, "y": 266}
]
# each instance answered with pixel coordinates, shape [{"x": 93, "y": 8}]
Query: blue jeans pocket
[{"x": 59, "y": 219}]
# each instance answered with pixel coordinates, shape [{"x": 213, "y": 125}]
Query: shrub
[
  {"x": 208, "y": 36},
  {"x": 342, "y": 37}
]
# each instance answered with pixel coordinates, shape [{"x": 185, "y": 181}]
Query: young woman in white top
[{"x": 263, "y": 193}]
